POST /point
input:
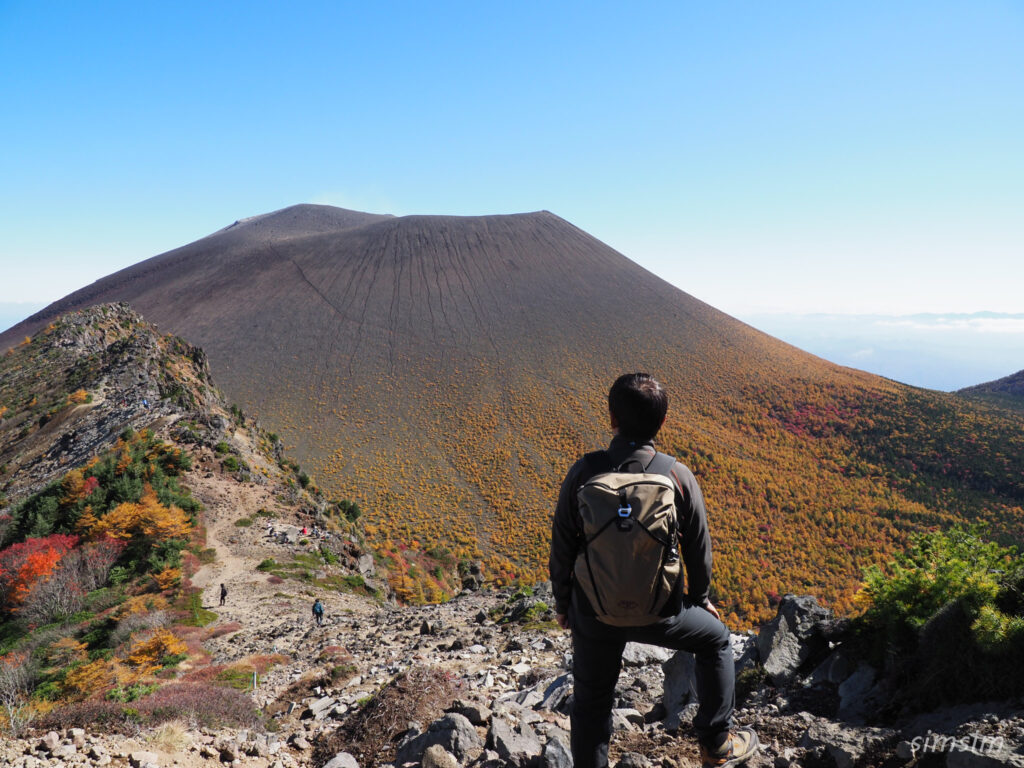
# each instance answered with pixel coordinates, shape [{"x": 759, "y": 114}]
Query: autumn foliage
[{"x": 27, "y": 563}]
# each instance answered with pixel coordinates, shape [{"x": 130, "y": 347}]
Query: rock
[
  {"x": 474, "y": 711},
  {"x": 516, "y": 745},
  {"x": 624, "y": 719},
  {"x": 298, "y": 741},
  {"x": 845, "y": 745},
  {"x": 744, "y": 652},
  {"x": 788, "y": 640},
  {"x": 556, "y": 752},
  {"x": 342, "y": 760},
  {"x": 854, "y": 694},
  {"x": 453, "y": 732},
  {"x": 228, "y": 750},
  {"x": 642, "y": 654},
  {"x": 557, "y": 693},
  {"x": 365, "y": 566},
  {"x": 633, "y": 760},
  {"x": 144, "y": 759},
  {"x": 49, "y": 742},
  {"x": 905, "y": 751},
  {"x": 437, "y": 756},
  {"x": 680, "y": 688},
  {"x": 64, "y": 751},
  {"x": 318, "y": 709},
  {"x": 77, "y": 736},
  {"x": 973, "y": 754},
  {"x": 834, "y": 669}
]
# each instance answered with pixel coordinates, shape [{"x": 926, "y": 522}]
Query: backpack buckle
[{"x": 625, "y": 510}]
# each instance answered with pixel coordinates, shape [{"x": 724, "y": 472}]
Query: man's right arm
[{"x": 564, "y": 543}]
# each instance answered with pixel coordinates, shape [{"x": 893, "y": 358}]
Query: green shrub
[
  {"x": 267, "y": 565},
  {"x": 946, "y": 619},
  {"x": 230, "y": 464},
  {"x": 222, "y": 447},
  {"x": 243, "y": 522}
]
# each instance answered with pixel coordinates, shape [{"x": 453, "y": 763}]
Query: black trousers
[{"x": 597, "y": 660}]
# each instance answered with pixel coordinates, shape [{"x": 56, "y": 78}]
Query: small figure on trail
[
  {"x": 318, "y": 612},
  {"x": 304, "y": 531},
  {"x": 223, "y": 593},
  {"x": 629, "y": 522}
]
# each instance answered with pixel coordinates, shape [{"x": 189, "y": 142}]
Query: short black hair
[{"x": 639, "y": 405}]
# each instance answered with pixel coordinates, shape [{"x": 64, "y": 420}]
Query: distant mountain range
[{"x": 445, "y": 371}]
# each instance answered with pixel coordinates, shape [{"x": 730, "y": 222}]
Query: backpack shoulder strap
[{"x": 661, "y": 464}]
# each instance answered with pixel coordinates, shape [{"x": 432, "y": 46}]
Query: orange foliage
[
  {"x": 78, "y": 396},
  {"x": 67, "y": 651},
  {"x": 147, "y": 654},
  {"x": 167, "y": 578},
  {"x": 24, "y": 565},
  {"x": 85, "y": 680},
  {"x": 148, "y": 518}
]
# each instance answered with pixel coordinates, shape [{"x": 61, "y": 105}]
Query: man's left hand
[{"x": 563, "y": 620}]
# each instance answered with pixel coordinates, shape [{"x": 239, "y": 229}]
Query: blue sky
[{"x": 792, "y": 157}]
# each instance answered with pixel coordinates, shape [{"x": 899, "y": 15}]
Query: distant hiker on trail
[
  {"x": 624, "y": 519},
  {"x": 318, "y": 612},
  {"x": 223, "y": 594}
]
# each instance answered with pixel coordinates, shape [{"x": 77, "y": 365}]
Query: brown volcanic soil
[{"x": 444, "y": 371}]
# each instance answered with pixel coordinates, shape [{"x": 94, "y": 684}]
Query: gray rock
[
  {"x": 854, "y": 694},
  {"x": 556, "y": 694},
  {"x": 834, "y": 669},
  {"x": 453, "y": 732},
  {"x": 633, "y": 760},
  {"x": 556, "y": 752},
  {"x": 744, "y": 651},
  {"x": 624, "y": 719},
  {"x": 49, "y": 742},
  {"x": 228, "y": 750},
  {"x": 642, "y": 654},
  {"x": 365, "y": 565},
  {"x": 845, "y": 745},
  {"x": 342, "y": 760},
  {"x": 143, "y": 759},
  {"x": 437, "y": 756},
  {"x": 64, "y": 751},
  {"x": 299, "y": 742},
  {"x": 476, "y": 712},
  {"x": 77, "y": 736},
  {"x": 680, "y": 688},
  {"x": 975, "y": 755},
  {"x": 905, "y": 751},
  {"x": 319, "y": 707},
  {"x": 788, "y": 640},
  {"x": 517, "y": 745}
]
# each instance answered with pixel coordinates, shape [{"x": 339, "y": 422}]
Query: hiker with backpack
[
  {"x": 318, "y": 612},
  {"x": 628, "y": 522}
]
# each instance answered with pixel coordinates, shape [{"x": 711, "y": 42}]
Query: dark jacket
[{"x": 694, "y": 539}]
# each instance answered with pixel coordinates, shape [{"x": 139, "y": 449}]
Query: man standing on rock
[{"x": 624, "y": 517}]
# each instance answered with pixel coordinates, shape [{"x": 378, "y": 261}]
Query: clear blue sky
[{"x": 788, "y": 156}]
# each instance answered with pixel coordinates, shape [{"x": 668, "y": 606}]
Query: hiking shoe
[{"x": 738, "y": 748}]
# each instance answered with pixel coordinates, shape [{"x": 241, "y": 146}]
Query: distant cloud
[
  {"x": 942, "y": 323},
  {"x": 861, "y": 354}
]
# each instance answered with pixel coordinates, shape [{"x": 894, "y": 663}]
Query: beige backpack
[{"x": 629, "y": 562}]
